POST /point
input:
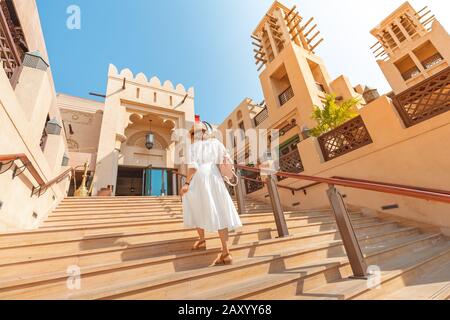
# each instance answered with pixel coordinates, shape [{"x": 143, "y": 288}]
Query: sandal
[
  {"x": 226, "y": 259},
  {"x": 199, "y": 245}
]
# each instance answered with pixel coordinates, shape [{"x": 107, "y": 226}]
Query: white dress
[{"x": 208, "y": 204}]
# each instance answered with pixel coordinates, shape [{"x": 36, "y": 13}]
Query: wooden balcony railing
[
  {"x": 432, "y": 61},
  {"x": 320, "y": 87},
  {"x": 9, "y": 160},
  {"x": 287, "y": 95},
  {"x": 346, "y": 138},
  {"x": 425, "y": 100},
  {"x": 408, "y": 74},
  {"x": 261, "y": 117},
  {"x": 288, "y": 127}
]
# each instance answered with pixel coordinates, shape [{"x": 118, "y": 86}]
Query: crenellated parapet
[{"x": 150, "y": 91}]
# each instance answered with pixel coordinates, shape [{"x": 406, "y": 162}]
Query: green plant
[{"x": 333, "y": 114}]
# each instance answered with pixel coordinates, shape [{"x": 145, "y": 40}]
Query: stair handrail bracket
[
  {"x": 338, "y": 207},
  {"x": 9, "y": 160}
]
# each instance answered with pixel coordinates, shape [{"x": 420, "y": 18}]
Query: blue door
[{"x": 155, "y": 182}]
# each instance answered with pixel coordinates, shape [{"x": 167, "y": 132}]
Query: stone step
[
  {"x": 169, "y": 224},
  {"x": 306, "y": 281},
  {"x": 100, "y": 210},
  {"x": 193, "y": 261},
  {"x": 428, "y": 280},
  {"x": 162, "y": 215},
  {"x": 44, "y": 257},
  {"x": 42, "y": 236},
  {"x": 181, "y": 285},
  {"x": 394, "y": 267},
  {"x": 172, "y": 216}
]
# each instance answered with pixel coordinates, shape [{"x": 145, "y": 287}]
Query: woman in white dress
[{"x": 207, "y": 205}]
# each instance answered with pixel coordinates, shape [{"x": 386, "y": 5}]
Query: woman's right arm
[
  {"x": 192, "y": 169},
  {"x": 190, "y": 175}
]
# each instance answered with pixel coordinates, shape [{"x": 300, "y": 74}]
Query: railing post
[
  {"x": 239, "y": 190},
  {"x": 278, "y": 212},
  {"x": 349, "y": 239}
]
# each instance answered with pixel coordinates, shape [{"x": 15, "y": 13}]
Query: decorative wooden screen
[
  {"x": 253, "y": 184},
  {"x": 9, "y": 56},
  {"x": 12, "y": 39},
  {"x": 425, "y": 100},
  {"x": 350, "y": 136},
  {"x": 292, "y": 163}
]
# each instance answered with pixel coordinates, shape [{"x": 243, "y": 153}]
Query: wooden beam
[
  {"x": 278, "y": 38},
  {"x": 278, "y": 33},
  {"x": 293, "y": 18},
  {"x": 307, "y": 23},
  {"x": 310, "y": 30},
  {"x": 429, "y": 11},
  {"x": 292, "y": 10},
  {"x": 257, "y": 44},
  {"x": 261, "y": 66},
  {"x": 259, "y": 51},
  {"x": 313, "y": 37},
  {"x": 273, "y": 24},
  {"x": 432, "y": 18},
  {"x": 315, "y": 46},
  {"x": 421, "y": 10},
  {"x": 260, "y": 59},
  {"x": 271, "y": 17},
  {"x": 296, "y": 25},
  {"x": 256, "y": 38},
  {"x": 378, "y": 49},
  {"x": 378, "y": 42},
  {"x": 380, "y": 54},
  {"x": 257, "y": 57}
]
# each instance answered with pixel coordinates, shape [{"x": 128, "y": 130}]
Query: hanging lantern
[
  {"x": 65, "y": 160},
  {"x": 149, "y": 138},
  {"x": 53, "y": 127}
]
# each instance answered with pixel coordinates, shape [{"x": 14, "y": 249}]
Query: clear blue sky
[{"x": 205, "y": 44}]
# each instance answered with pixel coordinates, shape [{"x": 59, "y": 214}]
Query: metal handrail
[
  {"x": 409, "y": 191},
  {"x": 27, "y": 164},
  {"x": 339, "y": 208}
]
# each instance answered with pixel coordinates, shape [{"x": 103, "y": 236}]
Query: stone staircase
[{"x": 137, "y": 248}]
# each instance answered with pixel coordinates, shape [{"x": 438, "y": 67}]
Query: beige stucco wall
[
  {"x": 84, "y": 116},
  {"x": 21, "y": 131},
  {"x": 417, "y": 156},
  {"x": 22, "y": 120}
]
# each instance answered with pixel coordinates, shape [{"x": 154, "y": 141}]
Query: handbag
[{"x": 228, "y": 171}]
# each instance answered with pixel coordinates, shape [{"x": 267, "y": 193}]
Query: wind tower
[
  {"x": 293, "y": 77},
  {"x": 412, "y": 46}
]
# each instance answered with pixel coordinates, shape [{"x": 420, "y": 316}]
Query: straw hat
[{"x": 197, "y": 127}]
